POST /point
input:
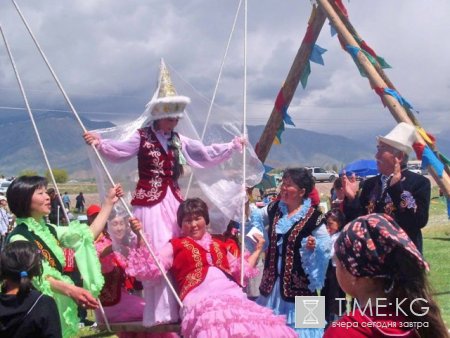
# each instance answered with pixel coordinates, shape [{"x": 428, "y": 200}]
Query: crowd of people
[{"x": 367, "y": 248}]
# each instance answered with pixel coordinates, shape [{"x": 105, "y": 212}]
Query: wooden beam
[
  {"x": 376, "y": 81},
  {"x": 315, "y": 24},
  {"x": 383, "y": 75},
  {"x": 138, "y": 327}
]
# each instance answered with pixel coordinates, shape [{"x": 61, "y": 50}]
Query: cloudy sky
[{"x": 106, "y": 54}]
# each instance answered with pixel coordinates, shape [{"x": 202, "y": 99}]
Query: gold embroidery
[
  {"x": 289, "y": 260},
  {"x": 218, "y": 253},
  {"x": 46, "y": 254},
  {"x": 193, "y": 278}
]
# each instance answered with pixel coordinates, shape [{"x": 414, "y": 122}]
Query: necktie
[{"x": 384, "y": 183}]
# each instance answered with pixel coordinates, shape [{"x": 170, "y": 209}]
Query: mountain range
[{"x": 61, "y": 136}]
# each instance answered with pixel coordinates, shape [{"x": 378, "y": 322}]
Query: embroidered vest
[
  {"x": 111, "y": 291},
  {"x": 47, "y": 254},
  {"x": 293, "y": 280},
  {"x": 155, "y": 167},
  {"x": 190, "y": 264}
]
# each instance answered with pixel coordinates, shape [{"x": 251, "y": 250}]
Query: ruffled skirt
[
  {"x": 226, "y": 316},
  {"x": 219, "y": 308}
]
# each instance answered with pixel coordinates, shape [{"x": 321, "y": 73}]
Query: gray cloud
[{"x": 106, "y": 55}]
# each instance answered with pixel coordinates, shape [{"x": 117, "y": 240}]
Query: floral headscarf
[{"x": 365, "y": 244}]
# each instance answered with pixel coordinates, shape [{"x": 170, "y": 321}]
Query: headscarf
[{"x": 365, "y": 244}]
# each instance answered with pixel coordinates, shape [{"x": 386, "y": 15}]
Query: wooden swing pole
[
  {"x": 376, "y": 81},
  {"x": 345, "y": 20},
  {"x": 315, "y": 23}
]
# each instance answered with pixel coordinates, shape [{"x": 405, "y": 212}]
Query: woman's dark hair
[
  {"x": 337, "y": 184},
  {"x": 174, "y": 144},
  {"x": 301, "y": 177},
  {"x": 410, "y": 282},
  {"x": 192, "y": 206},
  {"x": 21, "y": 261},
  {"x": 337, "y": 216},
  {"x": 21, "y": 191}
]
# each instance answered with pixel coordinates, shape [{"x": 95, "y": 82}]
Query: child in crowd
[
  {"x": 331, "y": 290},
  {"x": 25, "y": 312},
  {"x": 206, "y": 277},
  {"x": 379, "y": 265}
]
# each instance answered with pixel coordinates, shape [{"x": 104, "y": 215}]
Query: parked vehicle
[
  {"x": 322, "y": 175},
  {"x": 415, "y": 167},
  {"x": 4, "y": 186}
]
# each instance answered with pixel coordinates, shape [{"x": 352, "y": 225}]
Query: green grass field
[{"x": 436, "y": 251}]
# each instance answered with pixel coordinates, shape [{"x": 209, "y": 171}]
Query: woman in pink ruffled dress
[
  {"x": 206, "y": 276},
  {"x": 118, "y": 296},
  {"x": 161, "y": 153}
]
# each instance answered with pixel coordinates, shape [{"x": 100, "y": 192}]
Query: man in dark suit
[{"x": 395, "y": 191}]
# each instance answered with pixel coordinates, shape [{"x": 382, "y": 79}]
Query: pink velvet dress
[
  {"x": 159, "y": 221},
  {"x": 217, "y": 307}
]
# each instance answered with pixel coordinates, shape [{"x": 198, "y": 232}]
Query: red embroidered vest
[
  {"x": 155, "y": 167},
  {"x": 190, "y": 264}
]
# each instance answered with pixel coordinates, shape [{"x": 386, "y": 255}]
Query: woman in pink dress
[
  {"x": 118, "y": 296},
  {"x": 207, "y": 276},
  {"x": 161, "y": 153}
]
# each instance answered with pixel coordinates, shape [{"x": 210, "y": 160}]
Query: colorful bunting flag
[
  {"x": 341, "y": 7},
  {"x": 429, "y": 158},
  {"x": 444, "y": 159},
  {"x": 398, "y": 97},
  {"x": 316, "y": 54},
  {"x": 333, "y": 31},
  {"x": 353, "y": 51},
  {"x": 383, "y": 63},
  {"x": 305, "y": 75}
]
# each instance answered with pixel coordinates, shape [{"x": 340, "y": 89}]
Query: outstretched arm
[
  {"x": 99, "y": 222},
  {"x": 112, "y": 150},
  {"x": 199, "y": 155},
  {"x": 79, "y": 295}
]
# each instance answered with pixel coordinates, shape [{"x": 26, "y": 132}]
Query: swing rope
[
  {"x": 41, "y": 145},
  {"x": 72, "y": 108},
  {"x": 208, "y": 116},
  {"x": 244, "y": 133}
]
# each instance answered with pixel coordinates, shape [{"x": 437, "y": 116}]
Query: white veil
[{"x": 221, "y": 186}]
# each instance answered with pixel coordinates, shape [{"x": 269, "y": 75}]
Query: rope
[
  {"x": 33, "y": 122},
  {"x": 72, "y": 108},
  {"x": 244, "y": 153},
  {"x": 216, "y": 87}
]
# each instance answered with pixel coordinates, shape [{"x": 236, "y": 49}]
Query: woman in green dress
[{"x": 28, "y": 200}]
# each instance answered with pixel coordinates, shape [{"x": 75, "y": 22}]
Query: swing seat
[{"x": 138, "y": 327}]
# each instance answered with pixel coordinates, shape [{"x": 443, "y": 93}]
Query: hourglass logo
[{"x": 309, "y": 312}]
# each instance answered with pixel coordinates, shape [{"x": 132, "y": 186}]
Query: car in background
[
  {"x": 415, "y": 168},
  {"x": 322, "y": 175},
  {"x": 4, "y": 186}
]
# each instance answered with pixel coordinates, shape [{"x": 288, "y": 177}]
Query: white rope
[
  {"x": 72, "y": 108},
  {"x": 216, "y": 87},
  {"x": 33, "y": 122},
  {"x": 105, "y": 319},
  {"x": 244, "y": 156}
]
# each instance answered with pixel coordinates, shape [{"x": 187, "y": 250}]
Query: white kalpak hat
[
  {"x": 401, "y": 137},
  {"x": 165, "y": 101}
]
